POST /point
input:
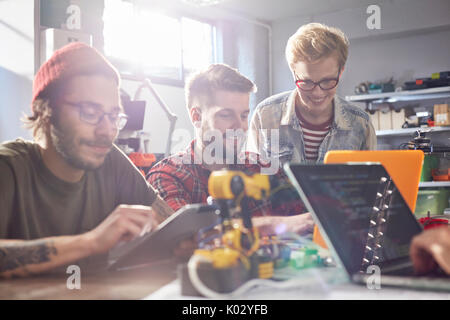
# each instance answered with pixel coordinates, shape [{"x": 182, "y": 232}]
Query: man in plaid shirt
[{"x": 218, "y": 105}]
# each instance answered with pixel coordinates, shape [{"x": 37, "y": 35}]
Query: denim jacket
[{"x": 351, "y": 129}]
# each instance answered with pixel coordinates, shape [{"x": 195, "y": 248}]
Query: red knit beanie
[{"x": 73, "y": 59}]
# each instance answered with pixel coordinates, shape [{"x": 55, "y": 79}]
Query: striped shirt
[
  {"x": 313, "y": 136},
  {"x": 351, "y": 129}
]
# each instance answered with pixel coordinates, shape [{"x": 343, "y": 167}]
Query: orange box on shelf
[
  {"x": 142, "y": 160},
  {"x": 438, "y": 176}
]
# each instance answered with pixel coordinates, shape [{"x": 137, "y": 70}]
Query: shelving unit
[
  {"x": 390, "y": 139},
  {"x": 407, "y": 95},
  {"x": 434, "y": 184},
  {"x": 409, "y": 131},
  {"x": 439, "y": 94}
]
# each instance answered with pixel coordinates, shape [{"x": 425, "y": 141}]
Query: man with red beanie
[{"x": 71, "y": 195}]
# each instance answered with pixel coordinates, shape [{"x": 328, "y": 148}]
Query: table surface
[
  {"x": 159, "y": 281},
  {"x": 315, "y": 284},
  {"x": 125, "y": 284}
]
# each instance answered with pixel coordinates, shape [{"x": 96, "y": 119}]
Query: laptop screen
[{"x": 361, "y": 211}]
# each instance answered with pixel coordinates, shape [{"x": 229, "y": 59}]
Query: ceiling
[
  {"x": 263, "y": 10},
  {"x": 271, "y": 10}
]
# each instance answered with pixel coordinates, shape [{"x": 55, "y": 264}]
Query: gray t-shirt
[{"x": 34, "y": 203}]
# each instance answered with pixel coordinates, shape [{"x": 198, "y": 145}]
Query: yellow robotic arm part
[
  {"x": 221, "y": 258},
  {"x": 226, "y": 184}
]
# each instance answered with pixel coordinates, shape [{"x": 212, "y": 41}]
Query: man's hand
[
  {"x": 125, "y": 223},
  {"x": 301, "y": 224},
  {"x": 431, "y": 249}
]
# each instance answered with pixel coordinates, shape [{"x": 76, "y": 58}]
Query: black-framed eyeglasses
[
  {"x": 92, "y": 115},
  {"x": 324, "y": 84}
]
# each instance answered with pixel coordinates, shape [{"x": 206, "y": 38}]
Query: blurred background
[{"x": 165, "y": 41}]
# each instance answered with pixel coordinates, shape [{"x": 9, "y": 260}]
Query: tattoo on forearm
[
  {"x": 21, "y": 254},
  {"x": 163, "y": 210}
]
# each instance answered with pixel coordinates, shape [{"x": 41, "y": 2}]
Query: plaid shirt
[{"x": 179, "y": 184}]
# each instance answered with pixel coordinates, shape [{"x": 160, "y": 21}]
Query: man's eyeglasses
[
  {"x": 92, "y": 115},
  {"x": 324, "y": 84}
]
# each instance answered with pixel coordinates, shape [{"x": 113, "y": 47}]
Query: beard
[
  {"x": 230, "y": 148},
  {"x": 65, "y": 144}
]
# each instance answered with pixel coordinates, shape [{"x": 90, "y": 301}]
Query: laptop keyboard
[
  {"x": 416, "y": 282},
  {"x": 409, "y": 272},
  {"x": 406, "y": 277}
]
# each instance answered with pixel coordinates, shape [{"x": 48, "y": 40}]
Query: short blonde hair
[
  {"x": 314, "y": 41},
  {"x": 201, "y": 86}
]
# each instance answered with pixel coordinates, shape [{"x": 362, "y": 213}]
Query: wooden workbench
[{"x": 126, "y": 284}]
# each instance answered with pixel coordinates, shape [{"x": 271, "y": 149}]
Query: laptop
[
  {"x": 365, "y": 221},
  {"x": 404, "y": 167}
]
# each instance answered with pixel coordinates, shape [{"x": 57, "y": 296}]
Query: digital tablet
[{"x": 160, "y": 243}]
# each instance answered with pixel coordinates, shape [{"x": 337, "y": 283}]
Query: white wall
[
  {"x": 414, "y": 41},
  {"x": 156, "y": 122},
  {"x": 16, "y": 66},
  {"x": 404, "y": 58}
]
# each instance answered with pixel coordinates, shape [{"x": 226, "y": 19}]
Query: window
[{"x": 142, "y": 42}]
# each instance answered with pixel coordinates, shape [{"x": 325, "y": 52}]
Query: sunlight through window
[{"x": 144, "y": 42}]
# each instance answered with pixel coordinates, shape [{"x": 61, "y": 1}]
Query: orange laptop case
[{"x": 404, "y": 167}]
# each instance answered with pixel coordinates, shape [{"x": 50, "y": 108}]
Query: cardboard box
[
  {"x": 385, "y": 120},
  {"x": 441, "y": 115},
  {"x": 398, "y": 118},
  {"x": 375, "y": 119}
]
